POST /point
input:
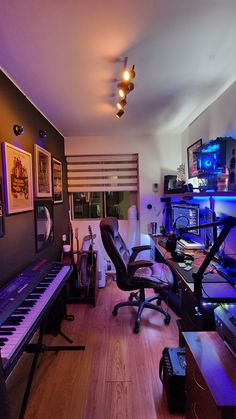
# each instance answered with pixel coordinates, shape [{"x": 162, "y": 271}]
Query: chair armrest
[
  {"x": 133, "y": 266},
  {"x": 137, "y": 249}
]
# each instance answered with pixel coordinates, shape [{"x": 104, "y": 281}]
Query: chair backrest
[{"x": 116, "y": 249}]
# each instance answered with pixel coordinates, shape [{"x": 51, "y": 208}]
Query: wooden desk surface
[
  {"x": 216, "y": 364},
  {"x": 214, "y": 287}
]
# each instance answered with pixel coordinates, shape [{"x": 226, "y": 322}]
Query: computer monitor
[
  {"x": 210, "y": 232},
  {"x": 185, "y": 215}
]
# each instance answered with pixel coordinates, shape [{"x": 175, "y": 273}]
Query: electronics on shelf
[{"x": 190, "y": 244}]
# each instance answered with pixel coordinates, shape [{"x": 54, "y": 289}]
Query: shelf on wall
[{"x": 203, "y": 194}]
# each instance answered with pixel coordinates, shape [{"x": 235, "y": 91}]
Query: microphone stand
[{"x": 228, "y": 223}]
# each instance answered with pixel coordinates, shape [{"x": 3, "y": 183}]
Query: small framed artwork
[
  {"x": 1, "y": 212},
  {"x": 192, "y": 160},
  {"x": 18, "y": 180},
  {"x": 57, "y": 188},
  {"x": 44, "y": 225},
  {"x": 43, "y": 173}
]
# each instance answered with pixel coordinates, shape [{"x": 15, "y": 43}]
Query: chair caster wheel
[
  {"x": 114, "y": 312},
  {"x": 136, "y": 330},
  {"x": 130, "y": 298},
  {"x": 167, "y": 320}
]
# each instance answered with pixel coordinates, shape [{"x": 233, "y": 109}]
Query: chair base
[{"x": 141, "y": 304}]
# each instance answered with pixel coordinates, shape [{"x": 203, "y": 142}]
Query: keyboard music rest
[{"x": 29, "y": 297}]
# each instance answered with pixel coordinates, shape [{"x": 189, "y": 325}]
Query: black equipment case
[{"x": 172, "y": 374}]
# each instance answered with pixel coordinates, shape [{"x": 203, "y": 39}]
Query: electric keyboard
[{"x": 24, "y": 302}]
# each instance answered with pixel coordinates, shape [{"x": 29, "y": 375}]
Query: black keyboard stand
[{"x": 37, "y": 349}]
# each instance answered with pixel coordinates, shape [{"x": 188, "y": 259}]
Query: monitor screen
[
  {"x": 185, "y": 215},
  {"x": 210, "y": 232}
]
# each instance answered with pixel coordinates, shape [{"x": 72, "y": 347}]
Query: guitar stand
[{"x": 37, "y": 349}]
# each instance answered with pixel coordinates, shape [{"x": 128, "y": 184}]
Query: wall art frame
[
  {"x": 18, "y": 179},
  {"x": 57, "y": 181},
  {"x": 44, "y": 224},
  {"x": 1, "y": 212},
  {"x": 192, "y": 160},
  {"x": 42, "y": 172}
]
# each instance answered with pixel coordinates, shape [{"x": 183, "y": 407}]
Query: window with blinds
[
  {"x": 100, "y": 173},
  {"x": 102, "y": 185}
]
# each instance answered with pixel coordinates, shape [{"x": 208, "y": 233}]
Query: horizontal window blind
[{"x": 101, "y": 173}]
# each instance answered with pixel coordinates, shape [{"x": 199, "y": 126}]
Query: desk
[
  {"x": 210, "y": 377},
  {"x": 215, "y": 289}
]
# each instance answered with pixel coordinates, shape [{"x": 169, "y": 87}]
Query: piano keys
[{"x": 24, "y": 302}]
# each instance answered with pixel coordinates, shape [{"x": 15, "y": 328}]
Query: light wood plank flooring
[{"x": 116, "y": 377}]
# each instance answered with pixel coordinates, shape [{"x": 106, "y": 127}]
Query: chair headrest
[{"x": 110, "y": 224}]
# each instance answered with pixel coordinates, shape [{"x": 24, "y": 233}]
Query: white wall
[{"x": 157, "y": 156}]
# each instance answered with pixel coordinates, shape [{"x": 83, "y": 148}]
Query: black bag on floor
[{"x": 172, "y": 374}]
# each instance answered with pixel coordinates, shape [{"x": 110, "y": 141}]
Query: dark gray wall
[{"x": 17, "y": 246}]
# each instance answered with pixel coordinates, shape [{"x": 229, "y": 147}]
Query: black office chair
[{"x": 134, "y": 274}]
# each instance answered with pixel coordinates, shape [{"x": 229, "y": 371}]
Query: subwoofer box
[{"x": 172, "y": 374}]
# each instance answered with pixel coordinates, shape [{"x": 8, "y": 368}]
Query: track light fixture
[
  {"x": 18, "y": 130},
  {"x": 43, "y": 134},
  {"x": 125, "y": 86}
]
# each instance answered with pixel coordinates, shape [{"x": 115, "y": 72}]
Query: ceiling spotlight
[
  {"x": 43, "y": 134},
  {"x": 18, "y": 130},
  {"x": 121, "y": 104},
  {"x": 120, "y": 113},
  {"x": 129, "y": 74},
  {"x": 122, "y": 89},
  {"x": 131, "y": 86}
]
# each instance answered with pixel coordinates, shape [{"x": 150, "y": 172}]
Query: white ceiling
[{"x": 64, "y": 55}]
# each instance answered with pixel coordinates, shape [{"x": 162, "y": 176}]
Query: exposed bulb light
[{"x": 120, "y": 113}]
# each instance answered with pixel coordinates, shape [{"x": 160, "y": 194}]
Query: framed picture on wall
[
  {"x": 1, "y": 211},
  {"x": 44, "y": 225},
  {"x": 18, "y": 181},
  {"x": 43, "y": 173},
  {"x": 192, "y": 160},
  {"x": 57, "y": 187}
]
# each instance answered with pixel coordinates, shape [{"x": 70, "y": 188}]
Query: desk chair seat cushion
[{"x": 157, "y": 276}]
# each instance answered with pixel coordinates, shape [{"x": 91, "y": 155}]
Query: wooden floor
[{"x": 116, "y": 377}]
